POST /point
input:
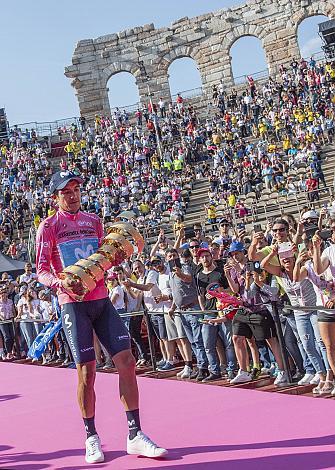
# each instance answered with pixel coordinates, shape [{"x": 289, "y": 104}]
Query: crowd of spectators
[
  {"x": 269, "y": 137},
  {"x": 142, "y": 168}
]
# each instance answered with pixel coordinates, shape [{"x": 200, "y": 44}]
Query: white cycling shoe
[
  {"x": 94, "y": 452},
  {"x": 144, "y": 446}
]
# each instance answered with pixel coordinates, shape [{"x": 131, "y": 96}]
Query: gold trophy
[{"x": 118, "y": 245}]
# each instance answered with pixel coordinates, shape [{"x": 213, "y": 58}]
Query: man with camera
[
  {"x": 253, "y": 322},
  {"x": 208, "y": 275},
  {"x": 258, "y": 250},
  {"x": 224, "y": 237},
  {"x": 162, "y": 244},
  {"x": 185, "y": 299},
  {"x": 310, "y": 223}
]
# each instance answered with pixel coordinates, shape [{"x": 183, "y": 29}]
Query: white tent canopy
[{"x": 10, "y": 265}]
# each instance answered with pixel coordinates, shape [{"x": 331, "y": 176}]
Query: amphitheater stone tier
[{"x": 147, "y": 52}]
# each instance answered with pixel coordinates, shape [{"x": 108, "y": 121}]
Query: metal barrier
[
  {"x": 281, "y": 340},
  {"x": 146, "y": 315},
  {"x": 49, "y": 128},
  {"x": 257, "y": 76},
  {"x": 310, "y": 308}
]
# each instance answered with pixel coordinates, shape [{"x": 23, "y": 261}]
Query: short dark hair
[
  {"x": 282, "y": 222},
  {"x": 186, "y": 253},
  {"x": 118, "y": 269},
  {"x": 137, "y": 261},
  {"x": 171, "y": 250}
]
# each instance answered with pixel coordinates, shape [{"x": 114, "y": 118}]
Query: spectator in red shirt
[{"x": 312, "y": 186}]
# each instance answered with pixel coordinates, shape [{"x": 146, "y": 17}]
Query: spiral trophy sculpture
[{"x": 118, "y": 245}]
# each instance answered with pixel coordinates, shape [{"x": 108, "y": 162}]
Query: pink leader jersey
[{"x": 63, "y": 239}]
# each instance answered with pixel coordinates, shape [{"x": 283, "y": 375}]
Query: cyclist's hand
[{"x": 75, "y": 286}]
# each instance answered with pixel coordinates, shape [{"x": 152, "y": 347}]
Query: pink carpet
[{"x": 203, "y": 426}]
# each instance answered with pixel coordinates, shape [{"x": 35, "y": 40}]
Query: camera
[
  {"x": 189, "y": 233},
  {"x": 174, "y": 263},
  {"x": 325, "y": 234},
  {"x": 253, "y": 267},
  {"x": 285, "y": 250},
  {"x": 311, "y": 229}
]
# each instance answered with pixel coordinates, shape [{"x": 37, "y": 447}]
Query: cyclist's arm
[{"x": 44, "y": 241}]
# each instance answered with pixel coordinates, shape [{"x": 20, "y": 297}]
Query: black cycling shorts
[
  {"x": 261, "y": 325},
  {"x": 79, "y": 319}
]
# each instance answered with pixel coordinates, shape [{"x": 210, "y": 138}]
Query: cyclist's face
[{"x": 68, "y": 198}]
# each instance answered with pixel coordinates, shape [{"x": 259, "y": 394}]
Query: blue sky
[{"x": 38, "y": 38}]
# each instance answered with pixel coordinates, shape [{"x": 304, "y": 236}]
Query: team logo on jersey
[{"x": 71, "y": 251}]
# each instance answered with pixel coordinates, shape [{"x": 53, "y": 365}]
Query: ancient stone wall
[{"x": 147, "y": 52}]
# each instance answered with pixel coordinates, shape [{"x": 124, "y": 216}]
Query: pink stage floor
[{"x": 203, "y": 426}]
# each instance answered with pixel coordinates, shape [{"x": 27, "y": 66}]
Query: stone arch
[
  {"x": 321, "y": 7},
  {"x": 308, "y": 38},
  {"x": 118, "y": 67},
  {"x": 246, "y": 29},
  {"x": 253, "y": 54},
  {"x": 122, "y": 84},
  {"x": 207, "y": 39},
  {"x": 179, "y": 52},
  {"x": 184, "y": 74}
]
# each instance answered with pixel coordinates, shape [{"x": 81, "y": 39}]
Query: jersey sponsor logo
[
  {"x": 43, "y": 244},
  {"x": 80, "y": 254},
  {"x": 76, "y": 233},
  {"x": 87, "y": 349},
  {"x": 67, "y": 322},
  {"x": 120, "y": 338},
  {"x": 85, "y": 223},
  {"x": 71, "y": 343}
]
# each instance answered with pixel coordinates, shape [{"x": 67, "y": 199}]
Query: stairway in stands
[
  {"x": 196, "y": 212},
  {"x": 199, "y": 196}
]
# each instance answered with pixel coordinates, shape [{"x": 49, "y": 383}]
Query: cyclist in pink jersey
[{"x": 61, "y": 240}]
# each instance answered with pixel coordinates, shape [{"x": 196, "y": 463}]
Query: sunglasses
[
  {"x": 215, "y": 286},
  {"x": 194, "y": 246},
  {"x": 281, "y": 229}
]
